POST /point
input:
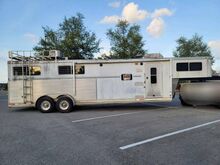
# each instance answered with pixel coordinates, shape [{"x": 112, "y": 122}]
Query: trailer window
[
  {"x": 182, "y": 66},
  {"x": 153, "y": 77},
  {"x": 18, "y": 71},
  {"x": 125, "y": 77},
  {"x": 35, "y": 70},
  {"x": 65, "y": 69},
  {"x": 195, "y": 66},
  {"x": 79, "y": 69}
]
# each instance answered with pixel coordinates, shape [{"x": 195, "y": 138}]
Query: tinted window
[
  {"x": 18, "y": 71},
  {"x": 65, "y": 70},
  {"x": 182, "y": 67},
  {"x": 153, "y": 71},
  {"x": 79, "y": 69},
  {"x": 195, "y": 66},
  {"x": 153, "y": 77}
]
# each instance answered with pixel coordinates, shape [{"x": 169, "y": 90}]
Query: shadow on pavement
[{"x": 128, "y": 106}]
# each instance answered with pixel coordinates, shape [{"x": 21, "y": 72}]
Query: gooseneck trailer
[{"x": 51, "y": 82}]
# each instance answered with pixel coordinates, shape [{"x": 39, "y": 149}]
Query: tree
[
  {"x": 51, "y": 41},
  {"x": 72, "y": 39},
  {"x": 194, "y": 47},
  {"x": 126, "y": 41}
]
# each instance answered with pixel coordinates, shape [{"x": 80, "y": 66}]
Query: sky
[{"x": 162, "y": 22}]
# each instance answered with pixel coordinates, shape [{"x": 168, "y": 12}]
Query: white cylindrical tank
[{"x": 202, "y": 93}]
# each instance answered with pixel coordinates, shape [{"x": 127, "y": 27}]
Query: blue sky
[{"x": 161, "y": 21}]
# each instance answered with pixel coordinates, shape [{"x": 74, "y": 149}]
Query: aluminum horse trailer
[{"x": 48, "y": 82}]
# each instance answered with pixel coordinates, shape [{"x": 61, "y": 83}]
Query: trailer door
[
  {"x": 153, "y": 82},
  {"x": 158, "y": 82}
]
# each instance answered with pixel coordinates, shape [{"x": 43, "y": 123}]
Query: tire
[
  {"x": 64, "y": 104},
  {"x": 45, "y": 104}
]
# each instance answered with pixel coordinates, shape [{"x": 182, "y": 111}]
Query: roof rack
[{"x": 47, "y": 55}]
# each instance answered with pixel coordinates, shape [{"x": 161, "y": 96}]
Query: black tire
[
  {"x": 64, "y": 104},
  {"x": 183, "y": 102},
  {"x": 45, "y": 104}
]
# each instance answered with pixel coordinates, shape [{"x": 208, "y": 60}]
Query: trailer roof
[
  {"x": 18, "y": 57},
  {"x": 94, "y": 61},
  {"x": 136, "y": 60}
]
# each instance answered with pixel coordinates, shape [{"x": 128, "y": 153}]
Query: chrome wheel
[
  {"x": 64, "y": 105},
  {"x": 45, "y": 105}
]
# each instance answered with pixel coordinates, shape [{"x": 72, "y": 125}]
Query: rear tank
[{"x": 202, "y": 93}]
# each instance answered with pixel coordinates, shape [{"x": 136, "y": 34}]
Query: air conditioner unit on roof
[{"x": 54, "y": 53}]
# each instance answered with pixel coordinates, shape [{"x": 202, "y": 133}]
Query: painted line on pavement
[
  {"x": 167, "y": 135},
  {"x": 108, "y": 116},
  {"x": 114, "y": 115}
]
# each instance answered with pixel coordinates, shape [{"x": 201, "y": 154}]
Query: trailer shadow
[
  {"x": 115, "y": 107},
  {"x": 131, "y": 106}
]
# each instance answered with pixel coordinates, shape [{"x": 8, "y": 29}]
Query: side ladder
[
  {"x": 27, "y": 83},
  {"x": 28, "y": 90}
]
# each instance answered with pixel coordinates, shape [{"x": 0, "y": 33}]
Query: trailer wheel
[
  {"x": 45, "y": 104},
  {"x": 64, "y": 104}
]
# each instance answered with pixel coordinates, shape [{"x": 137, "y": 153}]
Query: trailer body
[{"x": 100, "y": 81}]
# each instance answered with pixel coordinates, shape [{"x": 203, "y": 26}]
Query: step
[
  {"x": 30, "y": 102},
  {"x": 27, "y": 94},
  {"x": 27, "y": 86}
]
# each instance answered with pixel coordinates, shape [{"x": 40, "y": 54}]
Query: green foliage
[
  {"x": 194, "y": 47},
  {"x": 72, "y": 39},
  {"x": 126, "y": 41},
  {"x": 50, "y": 42}
]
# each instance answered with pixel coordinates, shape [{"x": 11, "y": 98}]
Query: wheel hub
[
  {"x": 64, "y": 105},
  {"x": 45, "y": 105}
]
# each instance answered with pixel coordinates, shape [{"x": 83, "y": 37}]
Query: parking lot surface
[{"x": 144, "y": 133}]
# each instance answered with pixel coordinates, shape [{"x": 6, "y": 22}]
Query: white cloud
[
  {"x": 110, "y": 19},
  {"x": 3, "y": 66},
  {"x": 31, "y": 37},
  {"x": 216, "y": 67},
  {"x": 115, "y": 4},
  {"x": 215, "y": 48},
  {"x": 4, "y": 55},
  {"x": 132, "y": 13},
  {"x": 104, "y": 53},
  {"x": 161, "y": 12},
  {"x": 156, "y": 27}
]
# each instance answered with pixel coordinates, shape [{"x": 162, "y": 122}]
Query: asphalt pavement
[{"x": 95, "y": 135}]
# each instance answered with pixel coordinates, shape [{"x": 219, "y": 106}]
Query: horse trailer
[{"x": 49, "y": 82}]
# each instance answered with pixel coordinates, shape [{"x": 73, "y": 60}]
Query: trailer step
[{"x": 27, "y": 86}]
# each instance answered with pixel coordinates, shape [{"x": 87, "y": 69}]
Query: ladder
[
  {"x": 28, "y": 90},
  {"x": 27, "y": 82}
]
